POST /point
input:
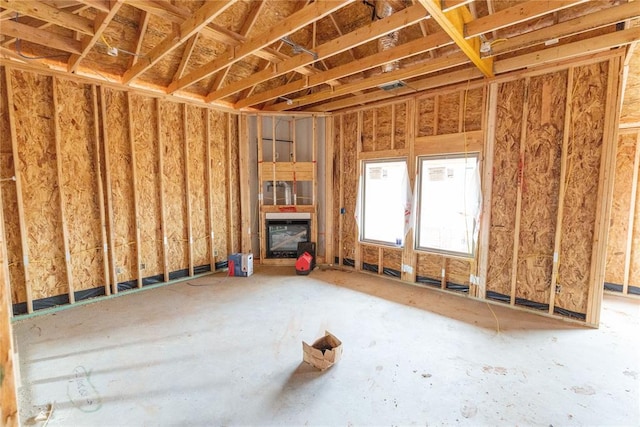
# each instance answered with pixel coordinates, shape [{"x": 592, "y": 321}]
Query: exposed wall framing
[
  {"x": 547, "y": 193},
  {"x": 623, "y": 245},
  {"x": 112, "y": 189}
]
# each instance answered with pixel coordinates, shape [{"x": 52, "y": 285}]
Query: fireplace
[{"x": 284, "y": 234}]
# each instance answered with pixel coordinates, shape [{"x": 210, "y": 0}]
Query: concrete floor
[{"x": 228, "y": 352}]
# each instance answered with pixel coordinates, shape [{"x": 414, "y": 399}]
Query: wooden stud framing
[
  {"x": 605, "y": 191},
  {"x": 20, "y": 200},
  {"x": 134, "y": 187},
  {"x": 341, "y": 195},
  {"x": 187, "y": 186},
  {"x": 562, "y": 190},
  {"x": 262, "y": 225},
  {"x": 163, "y": 214},
  {"x": 487, "y": 191},
  {"x": 409, "y": 256},
  {"x": 230, "y": 211},
  {"x": 516, "y": 233},
  {"x": 245, "y": 184},
  {"x": 98, "y": 167},
  {"x": 393, "y": 126},
  {"x": 329, "y": 189},
  {"x": 357, "y": 258},
  {"x": 107, "y": 177},
  {"x": 63, "y": 217},
  {"x": 314, "y": 194},
  {"x": 209, "y": 195},
  {"x": 632, "y": 214}
]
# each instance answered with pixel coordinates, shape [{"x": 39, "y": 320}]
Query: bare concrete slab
[{"x": 228, "y": 351}]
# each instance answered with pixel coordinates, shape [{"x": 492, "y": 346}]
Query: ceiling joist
[
  {"x": 453, "y": 23},
  {"x": 50, "y": 14},
  {"x": 293, "y": 23}
]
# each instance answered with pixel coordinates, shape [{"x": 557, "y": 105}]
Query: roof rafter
[
  {"x": 397, "y": 53},
  {"x": 293, "y": 23},
  {"x": 100, "y": 23},
  {"x": 550, "y": 55},
  {"x": 42, "y": 37},
  {"x": 51, "y": 14},
  {"x": 400, "y": 19},
  {"x": 453, "y": 23},
  {"x": 142, "y": 29},
  {"x": 247, "y": 25},
  {"x": 207, "y": 13}
]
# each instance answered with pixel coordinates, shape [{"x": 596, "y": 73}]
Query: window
[
  {"x": 385, "y": 193},
  {"x": 449, "y": 199}
]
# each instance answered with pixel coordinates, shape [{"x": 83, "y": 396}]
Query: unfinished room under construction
[{"x": 319, "y": 212}]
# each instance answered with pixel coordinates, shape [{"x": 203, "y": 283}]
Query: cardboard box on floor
[{"x": 324, "y": 352}]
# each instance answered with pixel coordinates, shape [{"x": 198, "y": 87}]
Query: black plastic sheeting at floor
[
  {"x": 457, "y": 287},
  {"x": 535, "y": 305},
  {"x": 348, "y": 262},
  {"x": 614, "y": 287},
  {"x": 370, "y": 267},
  {"x": 424, "y": 280},
  {"x": 50, "y": 302},
  {"x": 391, "y": 272}
]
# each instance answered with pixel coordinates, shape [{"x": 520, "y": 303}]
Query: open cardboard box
[{"x": 324, "y": 352}]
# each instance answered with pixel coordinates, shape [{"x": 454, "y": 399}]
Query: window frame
[
  {"x": 418, "y": 202},
  {"x": 361, "y": 231}
]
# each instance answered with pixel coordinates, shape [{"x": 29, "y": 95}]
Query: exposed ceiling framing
[{"x": 322, "y": 55}]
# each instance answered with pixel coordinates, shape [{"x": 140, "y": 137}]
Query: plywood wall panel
[
  {"x": 429, "y": 265},
  {"x": 119, "y": 148},
  {"x": 392, "y": 258},
  {"x": 473, "y": 108},
  {"x": 426, "y": 119},
  {"x": 79, "y": 183},
  {"x": 218, "y": 140},
  {"x": 619, "y": 228},
  {"x": 234, "y": 183},
  {"x": 33, "y": 105},
  {"x": 504, "y": 187},
  {"x": 144, "y": 117},
  {"x": 540, "y": 186},
  {"x": 10, "y": 201},
  {"x": 367, "y": 131},
  {"x": 350, "y": 180},
  {"x": 370, "y": 255},
  {"x": 634, "y": 265},
  {"x": 458, "y": 271},
  {"x": 383, "y": 129},
  {"x": 585, "y": 150},
  {"x": 448, "y": 113},
  {"x": 174, "y": 185},
  {"x": 400, "y": 126},
  {"x": 197, "y": 140}
]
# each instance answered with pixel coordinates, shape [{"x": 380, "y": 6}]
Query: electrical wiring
[{"x": 22, "y": 55}]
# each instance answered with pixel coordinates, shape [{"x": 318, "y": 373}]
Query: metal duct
[{"x": 384, "y": 9}]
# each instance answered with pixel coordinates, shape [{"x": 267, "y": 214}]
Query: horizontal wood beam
[
  {"x": 515, "y": 15},
  {"x": 574, "y": 26},
  {"x": 453, "y": 23},
  {"x": 397, "y": 53},
  {"x": 207, "y": 13},
  {"x": 101, "y": 5},
  {"x": 431, "y": 66},
  {"x": 315, "y": 11},
  {"x": 570, "y": 50},
  {"x": 51, "y": 15},
  {"x": 42, "y": 37},
  {"x": 396, "y": 21}
]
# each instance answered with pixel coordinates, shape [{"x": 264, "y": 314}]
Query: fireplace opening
[{"x": 283, "y": 236}]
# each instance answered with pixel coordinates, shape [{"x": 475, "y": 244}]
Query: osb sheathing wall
[
  {"x": 8, "y": 405},
  {"x": 550, "y": 137},
  {"x": 623, "y": 244},
  {"x": 113, "y": 189}
]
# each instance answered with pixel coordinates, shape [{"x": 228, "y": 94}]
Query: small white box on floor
[{"x": 240, "y": 265}]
